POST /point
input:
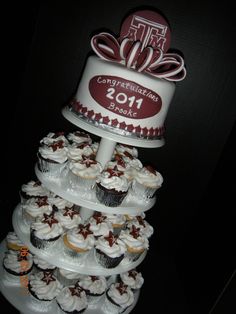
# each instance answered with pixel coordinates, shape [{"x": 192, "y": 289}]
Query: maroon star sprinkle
[
  {"x": 135, "y": 232},
  {"x": 120, "y": 160},
  {"x": 70, "y": 212},
  {"x": 132, "y": 273},
  {"x": 111, "y": 238},
  {"x": 122, "y": 288},
  {"x": 94, "y": 278},
  {"x": 48, "y": 277},
  {"x": 84, "y": 230},
  {"x": 42, "y": 201},
  {"x": 37, "y": 183},
  {"x": 141, "y": 221},
  {"x": 49, "y": 219},
  {"x": 99, "y": 217},
  {"x": 88, "y": 161},
  {"x": 114, "y": 172},
  {"x": 76, "y": 290},
  {"x": 56, "y": 145},
  {"x": 127, "y": 154},
  {"x": 151, "y": 169}
]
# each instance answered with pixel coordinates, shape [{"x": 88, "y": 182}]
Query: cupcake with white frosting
[
  {"x": 68, "y": 217},
  {"x": 110, "y": 250},
  {"x": 119, "y": 297},
  {"x": 79, "y": 137},
  {"x": 136, "y": 242},
  {"x": 100, "y": 225},
  {"x": 32, "y": 189},
  {"x": 78, "y": 242},
  {"x": 83, "y": 173},
  {"x": 58, "y": 202},
  {"x": 45, "y": 231},
  {"x": 54, "y": 137},
  {"x": 42, "y": 265},
  {"x": 111, "y": 187},
  {"x": 13, "y": 242},
  {"x": 117, "y": 221},
  {"x": 72, "y": 299},
  {"x": 142, "y": 224},
  {"x": 146, "y": 182},
  {"x": 52, "y": 159},
  {"x": 43, "y": 287},
  {"x": 122, "y": 148},
  {"x": 132, "y": 279},
  {"x": 67, "y": 277},
  {"x": 17, "y": 265},
  {"x": 34, "y": 208},
  {"x": 76, "y": 151},
  {"x": 95, "y": 287}
]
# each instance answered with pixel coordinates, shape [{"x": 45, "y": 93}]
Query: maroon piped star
[
  {"x": 128, "y": 155},
  {"x": 120, "y": 160},
  {"x": 42, "y": 201},
  {"x": 84, "y": 230},
  {"x": 140, "y": 221},
  {"x": 49, "y": 219},
  {"x": 122, "y": 288},
  {"x": 37, "y": 183},
  {"x": 114, "y": 172},
  {"x": 134, "y": 232},
  {"x": 56, "y": 145},
  {"x": 88, "y": 161},
  {"x": 76, "y": 290},
  {"x": 111, "y": 238},
  {"x": 70, "y": 212},
  {"x": 99, "y": 217},
  {"x": 132, "y": 273},
  {"x": 151, "y": 169},
  {"x": 48, "y": 277}
]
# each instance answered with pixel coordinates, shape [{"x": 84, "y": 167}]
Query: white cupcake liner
[
  {"x": 132, "y": 256},
  {"x": 80, "y": 184},
  {"x": 142, "y": 192},
  {"x": 74, "y": 254},
  {"x": 52, "y": 169}
]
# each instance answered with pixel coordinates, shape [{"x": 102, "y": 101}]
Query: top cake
[{"x": 128, "y": 85}]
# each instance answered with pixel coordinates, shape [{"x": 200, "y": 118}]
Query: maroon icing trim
[{"x": 80, "y": 108}]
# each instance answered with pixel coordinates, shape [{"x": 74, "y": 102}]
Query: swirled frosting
[
  {"x": 132, "y": 278},
  {"x": 148, "y": 178},
  {"x": 68, "y": 273},
  {"x": 76, "y": 151},
  {"x": 52, "y": 138},
  {"x": 79, "y": 239},
  {"x": 93, "y": 284},
  {"x": 57, "y": 154},
  {"x": 100, "y": 225},
  {"x": 42, "y": 264},
  {"x": 143, "y": 225},
  {"x": 68, "y": 217},
  {"x": 86, "y": 168},
  {"x": 34, "y": 189},
  {"x": 79, "y": 137},
  {"x": 37, "y": 207},
  {"x": 71, "y": 301},
  {"x": 12, "y": 239},
  {"x": 12, "y": 261},
  {"x": 121, "y": 295},
  {"x": 121, "y": 148},
  {"x": 59, "y": 202},
  {"x": 115, "y": 219},
  {"x": 113, "y": 249},
  {"x": 108, "y": 181},
  {"x": 134, "y": 240},
  {"x": 44, "y": 285},
  {"x": 47, "y": 231}
]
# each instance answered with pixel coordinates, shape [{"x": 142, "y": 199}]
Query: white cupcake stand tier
[
  {"x": 88, "y": 203},
  {"x": 18, "y": 295}
]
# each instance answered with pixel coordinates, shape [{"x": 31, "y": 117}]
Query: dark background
[{"x": 44, "y": 46}]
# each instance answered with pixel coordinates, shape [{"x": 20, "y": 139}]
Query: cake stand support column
[{"x": 104, "y": 154}]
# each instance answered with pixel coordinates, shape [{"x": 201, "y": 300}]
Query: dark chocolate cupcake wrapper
[
  {"x": 108, "y": 197},
  {"x": 41, "y": 244},
  {"x": 73, "y": 312},
  {"x": 106, "y": 261}
]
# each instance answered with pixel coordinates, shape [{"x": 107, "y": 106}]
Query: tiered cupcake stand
[{"x": 15, "y": 293}]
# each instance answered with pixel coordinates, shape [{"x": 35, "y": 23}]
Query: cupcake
[
  {"x": 146, "y": 182},
  {"x": 42, "y": 265},
  {"x": 79, "y": 137},
  {"x": 143, "y": 225},
  {"x": 117, "y": 221},
  {"x": 52, "y": 158},
  {"x": 76, "y": 151},
  {"x": 67, "y": 277},
  {"x": 119, "y": 297},
  {"x": 32, "y": 189},
  {"x": 58, "y": 203},
  {"x": 111, "y": 187},
  {"x": 45, "y": 232},
  {"x": 34, "y": 208},
  {"x": 72, "y": 300},
  {"x": 122, "y": 148},
  {"x": 95, "y": 287},
  {"x": 17, "y": 266},
  {"x": 68, "y": 217},
  {"x": 83, "y": 173},
  {"x": 100, "y": 225},
  {"x": 110, "y": 250},
  {"x": 13, "y": 242},
  {"x": 52, "y": 138},
  {"x": 132, "y": 279},
  {"x": 136, "y": 243},
  {"x": 79, "y": 241},
  {"x": 43, "y": 287},
  {"x": 130, "y": 217}
]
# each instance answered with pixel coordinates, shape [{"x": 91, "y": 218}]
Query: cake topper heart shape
[{"x": 148, "y": 27}]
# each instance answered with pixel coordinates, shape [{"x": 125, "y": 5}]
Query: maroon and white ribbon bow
[{"x": 169, "y": 66}]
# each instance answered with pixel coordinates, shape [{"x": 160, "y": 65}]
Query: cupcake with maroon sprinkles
[
  {"x": 132, "y": 279},
  {"x": 79, "y": 137},
  {"x": 95, "y": 287},
  {"x": 32, "y": 189},
  {"x": 100, "y": 225}
]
